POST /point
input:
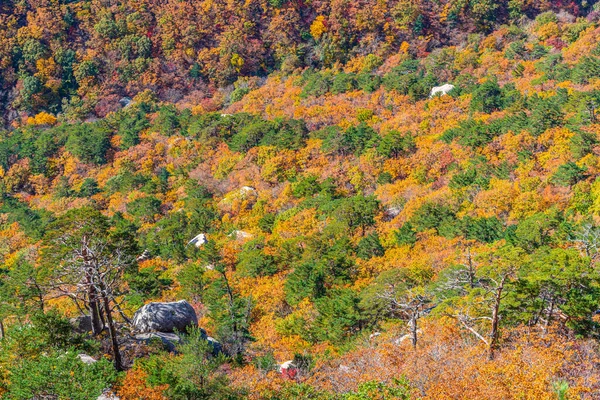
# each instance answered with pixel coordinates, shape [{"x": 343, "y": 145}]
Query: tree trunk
[
  {"x": 2, "y": 329},
  {"x": 113, "y": 334},
  {"x": 234, "y": 325},
  {"x": 550, "y": 312},
  {"x": 495, "y": 320},
  {"x": 412, "y": 323},
  {"x": 471, "y": 269},
  {"x": 94, "y": 308},
  {"x": 93, "y": 301}
]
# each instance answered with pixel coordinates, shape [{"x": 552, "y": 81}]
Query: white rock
[
  {"x": 240, "y": 235},
  {"x": 125, "y": 101},
  {"x": 287, "y": 365},
  {"x": 107, "y": 395},
  {"x": 198, "y": 240},
  {"x": 441, "y": 90},
  {"x": 144, "y": 256},
  {"x": 86, "y": 359}
]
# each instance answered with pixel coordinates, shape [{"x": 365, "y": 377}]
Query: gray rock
[
  {"x": 165, "y": 317},
  {"x": 391, "y": 212},
  {"x": 125, "y": 101},
  {"x": 86, "y": 359},
  {"x": 81, "y": 324},
  {"x": 107, "y": 395},
  {"x": 169, "y": 340},
  {"x": 217, "y": 348},
  {"x": 144, "y": 256}
]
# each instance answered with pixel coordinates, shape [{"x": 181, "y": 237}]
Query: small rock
[
  {"x": 391, "y": 212},
  {"x": 107, "y": 395},
  {"x": 217, "y": 348},
  {"x": 81, "y": 324},
  {"x": 247, "y": 189},
  {"x": 144, "y": 256},
  {"x": 199, "y": 240},
  {"x": 169, "y": 340},
  {"x": 441, "y": 90},
  {"x": 86, "y": 359},
  {"x": 288, "y": 370},
  {"x": 239, "y": 235},
  {"x": 125, "y": 101}
]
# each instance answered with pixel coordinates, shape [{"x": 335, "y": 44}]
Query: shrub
[
  {"x": 89, "y": 142},
  {"x": 568, "y": 174},
  {"x": 343, "y": 83},
  {"x": 369, "y": 247},
  {"x": 395, "y": 144},
  {"x": 88, "y": 188},
  {"x": 60, "y": 374},
  {"x": 487, "y": 97}
]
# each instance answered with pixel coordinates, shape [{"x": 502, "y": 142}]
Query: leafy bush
[
  {"x": 130, "y": 125},
  {"x": 316, "y": 84},
  {"x": 487, "y": 97},
  {"x": 343, "y": 83},
  {"x": 568, "y": 174},
  {"x": 435, "y": 216},
  {"x": 395, "y": 144},
  {"x": 471, "y": 133},
  {"x": 369, "y": 247},
  {"x": 62, "y": 375},
  {"x": 89, "y": 142},
  {"x": 368, "y": 82},
  {"x": 355, "y": 140}
]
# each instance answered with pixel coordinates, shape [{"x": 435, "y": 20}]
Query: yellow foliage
[
  {"x": 42, "y": 118},
  {"x": 318, "y": 27},
  {"x": 548, "y": 30},
  {"x": 237, "y": 61},
  {"x": 404, "y": 47}
]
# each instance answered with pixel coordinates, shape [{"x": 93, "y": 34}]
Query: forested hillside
[{"x": 282, "y": 167}]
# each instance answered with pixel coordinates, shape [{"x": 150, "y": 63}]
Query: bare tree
[
  {"x": 398, "y": 294},
  {"x": 87, "y": 267},
  {"x": 408, "y": 304},
  {"x": 481, "y": 311},
  {"x": 587, "y": 240}
]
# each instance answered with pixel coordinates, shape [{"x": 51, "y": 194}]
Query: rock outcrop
[
  {"x": 169, "y": 340},
  {"x": 441, "y": 90},
  {"x": 81, "y": 324},
  {"x": 165, "y": 317},
  {"x": 198, "y": 240}
]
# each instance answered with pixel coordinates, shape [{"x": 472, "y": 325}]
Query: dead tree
[
  {"x": 87, "y": 267},
  {"x": 587, "y": 240},
  {"x": 490, "y": 288},
  {"x": 409, "y": 304}
]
